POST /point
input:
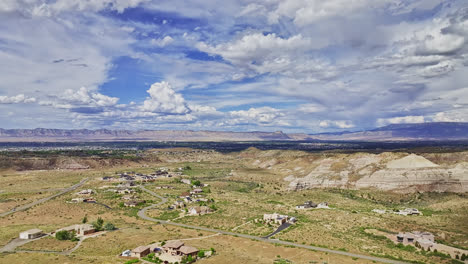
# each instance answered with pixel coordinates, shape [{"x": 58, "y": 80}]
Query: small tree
[
  {"x": 98, "y": 224},
  {"x": 85, "y": 220},
  {"x": 196, "y": 182},
  {"x": 109, "y": 226},
  {"x": 213, "y": 250}
]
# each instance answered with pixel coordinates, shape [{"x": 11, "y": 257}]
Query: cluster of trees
[
  {"x": 99, "y": 225},
  {"x": 65, "y": 235}
]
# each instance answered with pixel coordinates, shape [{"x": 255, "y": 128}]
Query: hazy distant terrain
[{"x": 402, "y": 132}]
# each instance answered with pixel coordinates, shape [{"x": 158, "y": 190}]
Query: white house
[
  {"x": 86, "y": 192},
  {"x": 323, "y": 205},
  {"x": 126, "y": 253},
  {"x": 31, "y": 234},
  {"x": 199, "y": 210},
  {"x": 276, "y": 218},
  {"x": 186, "y": 181}
]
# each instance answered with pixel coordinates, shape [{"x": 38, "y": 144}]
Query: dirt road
[{"x": 27, "y": 206}]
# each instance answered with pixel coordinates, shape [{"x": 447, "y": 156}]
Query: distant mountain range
[
  {"x": 404, "y": 132},
  {"x": 400, "y": 132}
]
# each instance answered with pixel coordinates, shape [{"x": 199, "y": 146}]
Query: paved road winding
[
  {"x": 142, "y": 214},
  {"x": 42, "y": 200}
]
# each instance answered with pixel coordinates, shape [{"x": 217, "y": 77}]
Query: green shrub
[
  {"x": 109, "y": 226},
  {"x": 201, "y": 254},
  {"x": 196, "y": 182}
]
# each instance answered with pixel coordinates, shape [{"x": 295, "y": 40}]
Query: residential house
[
  {"x": 275, "y": 218},
  {"x": 306, "y": 205},
  {"x": 178, "y": 248},
  {"x": 196, "y": 191},
  {"x": 133, "y": 203},
  {"x": 424, "y": 239},
  {"x": 31, "y": 234},
  {"x": 172, "y": 247},
  {"x": 179, "y": 204},
  {"x": 186, "y": 181},
  {"x": 83, "y": 200},
  {"x": 77, "y": 200},
  {"x": 199, "y": 210},
  {"x": 86, "y": 192},
  {"x": 140, "y": 251},
  {"x": 323, "y": 205},
  {"x": 188, "y": 251},
  {"x": 125, "y": 191},
  {"x": 409, "y": 211},
  {"x": 161, "y": 173},
  {"x": 79, "y": 230},
  {"x": 128, "y": 197},
  {"x": 184, "y": 194},
  {"x": 125, "y": 185},
  {"x": 84, "y": 229}
]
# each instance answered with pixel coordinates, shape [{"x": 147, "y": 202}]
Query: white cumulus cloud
[
  {"x": 342, "y": 124},
  {"x": 163, "y": 99},
  {"x": 162, "y": 42},
  {"x": 400, "y": 120},
  {"x": 20, "y": 98},
  {"x": 262, "y": 115}
]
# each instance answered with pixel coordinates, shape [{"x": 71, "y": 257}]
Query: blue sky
[{"x": 292, "y": 65}]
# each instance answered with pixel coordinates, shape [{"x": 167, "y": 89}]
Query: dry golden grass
[
  {"x": 248, "y": 193},
  {"x": 48, "y": 243}
]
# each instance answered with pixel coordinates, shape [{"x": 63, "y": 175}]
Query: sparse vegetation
[{"x": 237, "y": 199}]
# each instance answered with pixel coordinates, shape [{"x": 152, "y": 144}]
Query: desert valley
[{"x": 170, "y": 204}]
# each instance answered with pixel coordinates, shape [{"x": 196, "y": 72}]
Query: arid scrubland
[{"x": 241, "y": 187}]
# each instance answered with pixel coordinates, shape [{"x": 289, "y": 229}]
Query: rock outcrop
[{"x": 385, "y": 172}]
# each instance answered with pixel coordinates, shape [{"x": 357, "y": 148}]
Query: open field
[{"x": 241, "y": 187}]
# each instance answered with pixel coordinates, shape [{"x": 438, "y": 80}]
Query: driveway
[{"x": 280, "y": 228}]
